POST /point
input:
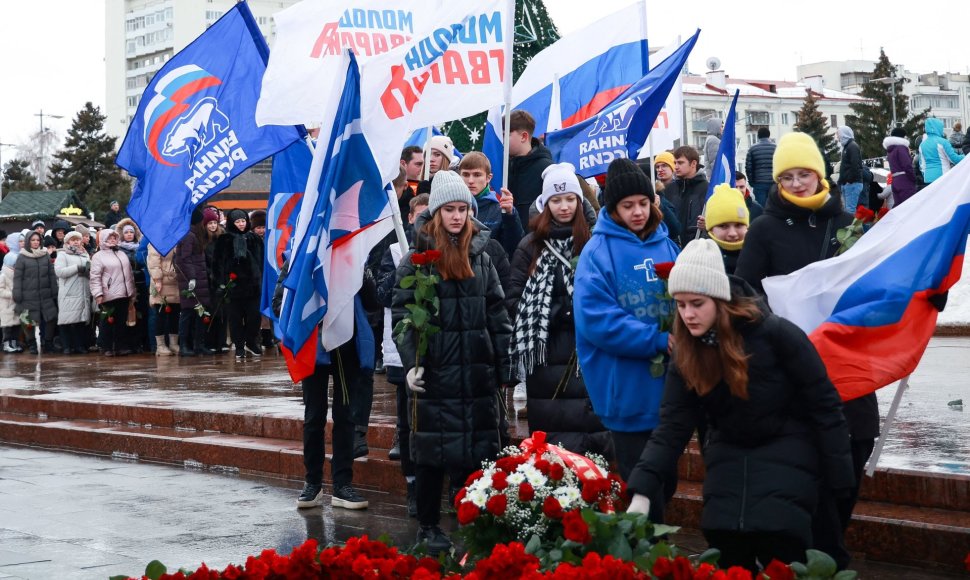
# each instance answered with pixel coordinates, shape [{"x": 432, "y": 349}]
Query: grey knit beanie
[
  {"x": 448, "y": 187},
  {"x": 700, "y": 270}
]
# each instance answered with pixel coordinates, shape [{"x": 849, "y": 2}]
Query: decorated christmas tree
[{"x": 534, "y": 31}]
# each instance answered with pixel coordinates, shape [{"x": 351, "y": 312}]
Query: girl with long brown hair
[
  {"x": 540, "y": 293},
  {"x": 455, "y": 386},
  {"x": 775, "y": 423}
]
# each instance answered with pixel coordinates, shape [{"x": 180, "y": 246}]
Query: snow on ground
[{"x": 957, "y": 311}]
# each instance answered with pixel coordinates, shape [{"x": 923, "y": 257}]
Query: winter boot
[
  {"x": 185, "y": 331},
  {"x": 173, "y": 343},
  {"x": 160, "y": 348},
  {"x": 199, "y": 338}
]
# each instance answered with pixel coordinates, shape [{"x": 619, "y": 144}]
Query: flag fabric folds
[
  {"x": 455, "y": 70},
  {"x": 311, "y": 36},
  {"x": 194, "y": 129},
  {"x": 621, "y": 128},
  {"x": 724, "y": 166},
  {"x": 564, "y": 85},
  {"x": 668, "y": 128},
  {"x": 291, "y": 167},
  {"x": 346, "y": 215},
  {"x": 870, "y": 312}
]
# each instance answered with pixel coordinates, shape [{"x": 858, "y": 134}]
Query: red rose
[
  {"x": 500, "y": 480},
  {"x": 543, "y": 466},
  {"x": 471, "y": 478},
  {"x": 705, "y": 571},
  {"x": 433, "y": 256},
  {"x": 419, "y": 259},
  {"x": 663, "y": 269},
  {"x": 526, "y": 491},
  {"x": 882, "y": 212},
  {"x": 510, "y": 464},
  {"x": 551, "y": 508},
  {"x": 574, "y": 528},
  {"x": 738, "y": 573},
  {"x": 168, "y": 309},
  {"x": 206, "y": 320},
  {"x": 460, "y": 496},
  {"x": 467, "y": 513},
  {"x": 111, "y": 320},
  {"x": 496, "y": 504},
  {"x": 864, "y": 214},
  {"x": 556, "y": 471},
  {"x": 232, "y": 276},
  {"x": 778, "y": 571},
  {"x": 662, "y": 567}
]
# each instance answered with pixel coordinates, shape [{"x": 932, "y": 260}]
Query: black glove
[{"x": 83, "y": 270}]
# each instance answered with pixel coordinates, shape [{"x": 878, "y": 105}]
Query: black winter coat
[
  {"x": 190, "y": 265},
  {"x": 688, "y": 197},
  {"x": 558, "y": 402},
  {"x": 525, "y": 178},
  {"x": 759, "y": 163},
  {"x": 850, "y": 170},
  {"x": 35, "y": 287},
  {"x": 764, "y": 456},
  {"x": 239, "y": 253},
  {"x": 457, "y": 418},
  {"x": 788, "y": 238}
]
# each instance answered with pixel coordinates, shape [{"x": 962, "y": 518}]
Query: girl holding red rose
[
  {"x": 237, "y": 269},
  {"x": 540, "y": 293},
  {"x": 775, "y": 423},
  {"x": 165, "y": 300},
  {"x": 455, "y": 386}
]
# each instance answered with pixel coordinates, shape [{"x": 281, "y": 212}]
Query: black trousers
[
  {"x": 11, "y": 333},
  {"x": 628, "y": 447},
  {"x": 429, "y": 481},
  {"x": 345, "y": 370},
  {"x": 745, "y": 548},
  {"x": 73, "y": 337},
  {"x": 404, "y": 428},
  {"x": 167, "y": 322},
  {"x": 114, "y": 333},
  {"x": 244, "y": 319},
  {"x": 833, "y": 514}
]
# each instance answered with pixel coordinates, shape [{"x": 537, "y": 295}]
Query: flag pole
[
  {"x": 427, "y": 153},
  {"x": 510, "y": 38},
  {"x": 396, "y": 217},
  {"x": 887, "y": 426}
]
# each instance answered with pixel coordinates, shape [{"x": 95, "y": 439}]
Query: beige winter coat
[
  {"x": 162, "y": 269},
  {"x": 8, "y": 316}
]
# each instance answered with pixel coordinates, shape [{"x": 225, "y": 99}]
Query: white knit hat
[
  {"x": 443, "y": 144},
  {"x": 558, "y": 179},
  {"x": 448, "y": 187},
  {"x": 700, "y": 270}
]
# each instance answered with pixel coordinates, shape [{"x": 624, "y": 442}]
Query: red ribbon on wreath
[{"x": 584, "y": 467}]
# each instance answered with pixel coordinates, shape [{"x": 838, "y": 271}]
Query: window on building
[
  {"x": 834, "y": 121},
  {"x": 262, "y": 20},
  {"x": 752, "y": 138},
  {"x": 131, "y": 47},
  {"x": 784, "y": 118},
  {"x": 794, "y": 116}
]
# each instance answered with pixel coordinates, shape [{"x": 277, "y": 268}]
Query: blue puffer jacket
[
  {"x": 936, "y": 153},
  {"x": 506, "y": 228},
  {"x": 618, "y": 307}
]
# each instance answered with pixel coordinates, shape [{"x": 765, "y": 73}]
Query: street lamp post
[
  {"x": 891, "y": 81},
  {"x": 43, "y": 153}
]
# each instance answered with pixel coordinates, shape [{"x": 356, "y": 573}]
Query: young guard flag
[
  {"x": 457, "y": 69},
  {"x": 291, "y": 168},
  {"x": 575, "y": 77},
  {"x": 871, "y": 311},
  {"x": 724, "y": 168},
  {"x": 194, "y": 130},
  {"x": 346, "y": 215},
  {"x": 621, "y": 128}
]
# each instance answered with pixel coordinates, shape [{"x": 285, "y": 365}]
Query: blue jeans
[
  {"x": 761, "y": 192},
  {"x": 852, "y": 196}
]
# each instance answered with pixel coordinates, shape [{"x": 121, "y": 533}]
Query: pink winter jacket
[{"x": 111, "y": 276}]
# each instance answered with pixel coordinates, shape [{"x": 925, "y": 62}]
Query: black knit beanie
[
  {"x": 196, "y": 217},
  {"x": 623, "y": 179}
]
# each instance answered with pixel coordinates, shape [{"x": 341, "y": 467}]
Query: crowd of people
[{"x": 73, "y": 291}]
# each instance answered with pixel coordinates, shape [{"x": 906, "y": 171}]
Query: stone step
[{"x": 882, "y": 531}]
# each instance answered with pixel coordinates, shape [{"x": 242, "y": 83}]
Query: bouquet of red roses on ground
[{"x": 559, "y": 504}]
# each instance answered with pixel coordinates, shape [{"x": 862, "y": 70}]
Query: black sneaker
[
  {"x": 412, "y": 501},
  {"x": 239, "y": 356},
  {"x": 395, "y": 453},
  {"x": 312, "y": 496},
  {"x": 347, "y": 497},
  {"x": 254, "y": 351},
  {"x": 437, "y": 540},
  {"x": 360, "y": 444}
]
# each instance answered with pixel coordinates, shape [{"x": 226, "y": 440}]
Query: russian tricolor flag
[{"x": 870, "y": 311}]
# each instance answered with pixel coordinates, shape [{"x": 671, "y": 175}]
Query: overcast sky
[{"x": 52, "y": 51}]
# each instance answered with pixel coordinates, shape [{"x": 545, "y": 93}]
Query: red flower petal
[
  {"x": 551, "y": 508},
  {"x": 497, "y": 504},
  {"x": 419, "y": 259},
  {"x": 467, "y": 513}
]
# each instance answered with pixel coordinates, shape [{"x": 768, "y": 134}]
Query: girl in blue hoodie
[{"x": 619, "y": 304}]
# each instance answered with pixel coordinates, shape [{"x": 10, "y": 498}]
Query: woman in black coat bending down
[
  {"x": 455, "y": 387},
  {"x": 775, "y": 423},
  {"x": 540, "y": 294}
]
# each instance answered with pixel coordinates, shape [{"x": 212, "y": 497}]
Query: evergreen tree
[
  {"x": 813, "y": 122},
  {"x": 873, "y": 120},
  {"x": 18, "y": 177},
  {"x": 87, "y": 163},
  {"x": 534, "y": 31}
]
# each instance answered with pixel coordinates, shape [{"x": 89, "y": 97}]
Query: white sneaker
[{"x": 519, "y": 394}]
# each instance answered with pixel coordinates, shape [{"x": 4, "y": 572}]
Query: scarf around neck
[
  {"x": 75, "y": 251},
  {"x": 532, "y": 316},
  {"x": 38, "y": 253}
]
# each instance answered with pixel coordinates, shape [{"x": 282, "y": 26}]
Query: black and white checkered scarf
[{"x": 532, "y": 318}]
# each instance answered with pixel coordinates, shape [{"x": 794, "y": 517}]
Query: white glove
[
  {"x": 415, "y": 380},
  {"x": 639, "y": 505}
]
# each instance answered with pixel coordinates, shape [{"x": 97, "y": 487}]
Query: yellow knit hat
[
  {"x": 797, "y": 150},
  {"x": 726, "y": 205},
  {"x": 665, "y": 157}
]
